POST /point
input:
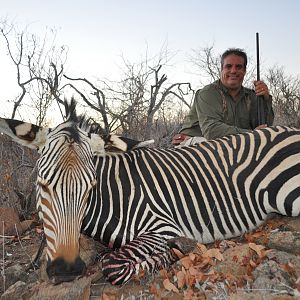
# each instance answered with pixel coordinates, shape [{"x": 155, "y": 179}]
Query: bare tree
[
  {"x": 36, "y": 64},
  {"x": 141, "y": 94},
  {"x": 132, "y": 105},
  {"x": 159, "y": 94},
  {"x": 206, "y": 63},
  {"x": 285, "y": 90},
  {"x": 96, "y": 100}
]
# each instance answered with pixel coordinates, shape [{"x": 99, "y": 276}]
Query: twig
[
  {"x": 6, "y": 236},
  {"x": 23, "y": 247},
  {"x": 273, "y": 291},
  {"x": 3, "y": 257}
]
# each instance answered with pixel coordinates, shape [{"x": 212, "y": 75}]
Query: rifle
[{"x": 260, "y": 104}]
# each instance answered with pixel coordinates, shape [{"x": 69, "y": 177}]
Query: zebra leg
[
  {"x": 36, "y": 262},
  {"x": 147, "y": 252}
]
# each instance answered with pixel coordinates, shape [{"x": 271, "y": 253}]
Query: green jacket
[{"x": 214, "y": 113}]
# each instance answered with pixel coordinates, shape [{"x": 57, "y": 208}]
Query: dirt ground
[{"x": 219, "y": 271}]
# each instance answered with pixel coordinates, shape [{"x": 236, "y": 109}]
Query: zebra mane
[
  {"x": 81, "y": 120},
  {"x": 113, "y": 143}
]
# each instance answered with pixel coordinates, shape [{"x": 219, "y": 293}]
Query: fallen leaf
[
  {"x": 168, "y": 285},
  {"x": 199, "y": 277},
  {"x": 253, "y": 236},
  {"x": 163, "y": 273},
  {"x": 178, "y": 253},
  {"x": 214, "y": 253},
  {"x": 257, "y": 248},
  {"x": 193, "y": 271},
  {"x": 186, "y": 262},
  {"x": 225, "y": 244},
  {"x": 192, "y": 256},
  {"x": 188, "y": 294},
  {"x": 201, "y": 248},
  {"x": 252, "y": 263},
  {"x": 180, "y": 279},
  {"x": 190, "y": 280},
  {"x": 205, "y": 261},
  {"x": 108, "y": 297}
]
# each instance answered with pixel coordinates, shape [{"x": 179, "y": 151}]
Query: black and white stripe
[
  {"x": 216, "y": 190},
  {"x": 66, "y": 173},
  {"x": 136, "y": 200}
]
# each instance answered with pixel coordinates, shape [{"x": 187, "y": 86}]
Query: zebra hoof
[
  {"x": 183, "y": 244},
  {"x": 117, "y": 273}
]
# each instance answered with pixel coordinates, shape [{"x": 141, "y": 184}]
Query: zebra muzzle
[{"x": 59, "y": 270}]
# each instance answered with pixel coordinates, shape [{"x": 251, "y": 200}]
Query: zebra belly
[{"x": 206, "y": 237}]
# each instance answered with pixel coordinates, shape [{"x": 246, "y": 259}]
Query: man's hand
[
  {"x": 261, "y": 126},
  {"x": 178, "y": 138},
  {"x": 261, "y": 89}
]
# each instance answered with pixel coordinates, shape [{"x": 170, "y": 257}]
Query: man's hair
[{"x": 234, "y": 51}]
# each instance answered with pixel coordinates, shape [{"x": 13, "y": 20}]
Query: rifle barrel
[
  {"x": 260, "y": 105},
  {"x": 257, "y": 56}
]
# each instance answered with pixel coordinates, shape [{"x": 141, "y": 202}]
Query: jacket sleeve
[{"x": 210, "y": 113}]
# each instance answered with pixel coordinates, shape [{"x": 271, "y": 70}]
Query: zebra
[{"x": 137, "y": 200}]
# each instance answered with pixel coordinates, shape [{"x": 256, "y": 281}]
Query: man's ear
[
  {"x": 26, "y": 134},
  {"x": 115, "y": 144}
]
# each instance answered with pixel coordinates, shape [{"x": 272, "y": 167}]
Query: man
[{"x": 225, "y": 106}]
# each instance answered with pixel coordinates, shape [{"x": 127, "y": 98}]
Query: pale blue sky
[{"x": 97, "y": 32}]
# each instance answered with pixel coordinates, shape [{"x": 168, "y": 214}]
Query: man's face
[{"x": 233, "y": 71}]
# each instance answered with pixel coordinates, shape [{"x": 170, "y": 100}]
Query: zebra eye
[
  {"x": 43, "y": 184},
  {"x": 44, "y": 187}
]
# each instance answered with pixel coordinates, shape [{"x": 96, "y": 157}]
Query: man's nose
[{"x": 233, "y": 69}]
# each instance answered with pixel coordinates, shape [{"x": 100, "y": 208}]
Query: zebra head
[{"x": 66, "y": 175}]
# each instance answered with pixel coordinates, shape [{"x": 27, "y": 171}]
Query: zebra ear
[
  {"x": 126, "y": 144},
  {"x": 26, "y": 134},
  {"x": 115, "y": 144},
  {"x": 97, "y": 144}
]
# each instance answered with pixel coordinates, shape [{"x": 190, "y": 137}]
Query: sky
[{"x": 98, "y": 32}]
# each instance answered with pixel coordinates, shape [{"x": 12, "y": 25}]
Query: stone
[
  {"x": 9, "y": 222},
  {"x": 13, "y": 274},
  {"x": 244, "y": 295},
  {"x": 293, "y": 224},
  {"x": 235, "y": 260},
  {"x": 287, "y": 241},
  {"x": 19, "y": 290},
  {"x": 269, "y": 277},
  {"x": 78, "y": 289},
  {"x": 283, "y": 258}
]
